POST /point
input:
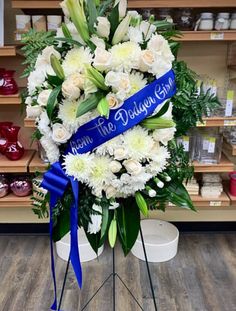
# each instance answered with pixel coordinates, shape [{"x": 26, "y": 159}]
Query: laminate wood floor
[{"x": 202, "y": 277}]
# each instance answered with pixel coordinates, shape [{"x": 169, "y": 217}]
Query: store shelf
[
  {"x": 180, "y": 3},
  {"x": 36, "y": 164},
  {"x": 32, "y": 4},
  {"x": 208, "y": 214},
  {"x": 229, "y": 35},
  {"x": 29, "y": 122},
  {"x": 19, "y": 166},
  {"x": 13, "y": 201},
  {"x": 217, "y": 121},
  {"x": 10, "y": 99},
  {"x": 52, "y": 4},
  {"x": 8, "y": 51},
  {"x": 224, "y": 166},
  {"x": 229, "y": 148}
]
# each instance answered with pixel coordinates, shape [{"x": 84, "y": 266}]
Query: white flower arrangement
[{"x": 90, "y": 72}]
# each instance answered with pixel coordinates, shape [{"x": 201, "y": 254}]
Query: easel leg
[
  {"x": 114, "y": 279},
  {"x": 64, "y": 283},
  {"x": 148, "y": 270}
]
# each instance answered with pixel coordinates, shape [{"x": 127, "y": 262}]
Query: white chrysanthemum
[
  {"x": 109, "y": 147},
  {"x": 67, "y": 113},
  {"x": 125, "y": 56},
  {"x": 76, "y": 60},
  {"x": 51, "y": 149},
  {"x": 100, "y": 175},
  {"x": 137, "y": 82},
  {"x": 43, "y": 124},
  {"x": 95, "y": 223},
  {"x": 164, "y": 135},
  {"x": 159, "y": 156},
  {"x": 35, "y": 79},
  {"x": 79, "y": 166},
  {"x": 138, "y": 143}
]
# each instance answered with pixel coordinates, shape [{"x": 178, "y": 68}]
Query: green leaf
[
  {"x": 93, "y": 14},
  {"x": 128, "y": 220},
  {"x": 52, "y": 101},
  {"x": 179, "y": 196},
  {"x": 104, "y": 6},
  {"x": 54, "y": 80},
  {"x": 163, "y": 110},
  {"x": 62, "y": 225},
  {"x": 94, "y": 240},
  {"x": 66, "y": 31},
  {"x": 105, "y": 221},
  {"x": 70, "y": 41},
  {"x": 112, "y": 233},
  {"x": 89, "y": 104},
  {"x": 114, "y": 20}
]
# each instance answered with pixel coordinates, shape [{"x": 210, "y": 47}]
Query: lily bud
[
  {"x": 121, "y": 30},
  {"x": 56, "y": 66},
  {"x": 76, "y": 10},
  {"x": 141, "y": 203},
  {"x": 66, "y": 31},
  {"x": 96, "y": 78},
  {"x": 112, "y": 233},
  {"x": 103, "y": 107},
  {"x": 122, "y": 7}
]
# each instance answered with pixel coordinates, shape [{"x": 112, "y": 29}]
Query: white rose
[
  {"x": 113, "y": 102},
  {"x": 60, "y": 134},
  {"x": 160, "y": 45},
  {"x": 95, "y": 223},
  {"x": 110, "y": 192},
  {"x": 43, "y": 97},
  {"x": 102, "y": 59},
  {"x": 164, "y": 135},
  {"x": 147, "y": 59},
  {"x": 115, "y": 166},
  {"x": 103, "y": 27},
  {"x": 64, "y": 8},
  {"x": 70, "y": 89},
  {"x": 33, "y": 111},
  {"x": 99, "y": 42},
  {"x": 147, "y": 29},
  {"x": 133, "y": 167},
  {"x": 111, "y": 78},
  {"x": 135, "y": 34},
  {"x": 120, "y": 153},
  {"x": 48, "y": 51}
]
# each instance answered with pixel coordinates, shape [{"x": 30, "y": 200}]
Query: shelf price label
[
  {"x": 215, "y": 203},
  {"x": 211, "y": 145},
  {"x": 185, "y": 143},
  {"x": 229, "y": 103},
  {"x": 217, "y": 36},
  {"x": 201, "y": 124},
  {"x": 229, "y": 122}
]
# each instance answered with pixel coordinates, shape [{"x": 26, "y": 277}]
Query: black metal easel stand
[{"x": 114, "y": 275}]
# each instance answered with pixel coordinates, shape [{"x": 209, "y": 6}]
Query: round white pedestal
[
  {"x": 160, "y": 238},
  {"x": 85, "y": 250}
]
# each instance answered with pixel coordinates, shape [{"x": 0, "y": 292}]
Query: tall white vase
[{"x": 85, "y": 250}]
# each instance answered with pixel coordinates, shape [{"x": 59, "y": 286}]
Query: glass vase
[
  {"x": 9, "y": 86},
  {"x": 14, "y": 150}
]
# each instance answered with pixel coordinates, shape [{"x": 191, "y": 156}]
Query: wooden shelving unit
[
  {"x": 229, "y": 35},
  {"x": 229, "y": 148},
  {"x": 13, "y": 201},
  {"x": 36, "y": 164},
  {"x": 29, "y": 123},
  {"x": 10, "y": 99},
  {"x": 19, "y": 166},
  {"x": 54, "y": 4},
  {"x": 224, "y": 166},
  {"x": 217, "y": 121},
  {"x": 8, "y": 50}
]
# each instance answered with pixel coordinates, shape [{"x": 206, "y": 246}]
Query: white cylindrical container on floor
[
  {"x": 85, "y": 250},
  {"x": 160, "y": 238},
  {"x": 54, "y": 22}
]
